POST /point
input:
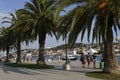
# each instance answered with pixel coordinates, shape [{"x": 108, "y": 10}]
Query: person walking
[
  {"x": 94, "y": 60},
  {"x": 88, "y": 57},
  {"x": 59, "y": 58},
  {"x": 82, "y": 59}
]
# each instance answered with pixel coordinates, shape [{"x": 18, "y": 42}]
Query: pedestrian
[
  {"x": 59, "y": 58},
  {"x": 88, "y": 57},
  {"x": 101, "y": 64},
  {"x": 24, "y": 57},
  {"x": 82, "y": 59},
  {"x": 94, "y": 60}
]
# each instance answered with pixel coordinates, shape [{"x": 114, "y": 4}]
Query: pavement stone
[{"x": 58, "y": 73}]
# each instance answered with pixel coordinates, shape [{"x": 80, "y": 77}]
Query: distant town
[{"x": 77, "y": 49}]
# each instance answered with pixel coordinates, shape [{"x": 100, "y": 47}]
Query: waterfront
[{"x": 55, "y": 57}]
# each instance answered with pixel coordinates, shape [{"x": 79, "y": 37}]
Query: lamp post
[
  {"x": 67, "y": 65},
  {"x": 66, "y": 50}
]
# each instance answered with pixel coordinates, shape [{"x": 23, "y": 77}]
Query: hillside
[{"x": 74, "y": 46}]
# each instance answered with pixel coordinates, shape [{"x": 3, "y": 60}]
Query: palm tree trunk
[
  {"x": 7, "y": 54},
  {"x": 109, "y": 58},
  {"x": 41, "y": 49},
  {"x": 18, "y": 60}
]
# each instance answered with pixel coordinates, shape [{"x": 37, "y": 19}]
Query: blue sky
[{"x": 12, "y": 5}]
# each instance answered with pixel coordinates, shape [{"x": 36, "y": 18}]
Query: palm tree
[
  {"x": 15, "y": 33},
  {"x": 105, "y": 14},
  {"x": 39, "y": 20},
  {"x": 5, "y": 43}
]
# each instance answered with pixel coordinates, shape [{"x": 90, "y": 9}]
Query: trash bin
[{"x": 101, "y": 65}]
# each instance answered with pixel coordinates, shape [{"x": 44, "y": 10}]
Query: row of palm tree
[
  {"x": 41, "y": 17},
  {"x": 34, "y": 21}
]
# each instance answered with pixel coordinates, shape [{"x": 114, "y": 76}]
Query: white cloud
[{"x": 1, "y": 16}]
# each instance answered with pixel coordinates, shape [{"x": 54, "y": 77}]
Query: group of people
[
  {"x": 88, "y": 59},
  {"x": 27, "y": 58}
]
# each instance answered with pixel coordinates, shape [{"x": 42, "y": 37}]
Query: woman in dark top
[{"x": 82, "y": 59}]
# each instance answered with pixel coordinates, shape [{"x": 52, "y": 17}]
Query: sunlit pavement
[{"x": 76, "y": 72}]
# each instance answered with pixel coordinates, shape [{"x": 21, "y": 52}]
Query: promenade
[{"x": 76, "y": 72}]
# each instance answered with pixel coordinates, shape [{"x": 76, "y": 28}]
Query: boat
[{"x": 70, "y": 57}]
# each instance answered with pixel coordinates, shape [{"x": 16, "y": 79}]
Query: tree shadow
[
  {"x": 58, "y": 70},
  {"x": 8, "y": 70},
  {"x": 76, "y": 69}
]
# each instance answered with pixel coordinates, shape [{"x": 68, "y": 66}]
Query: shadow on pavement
[{"x": 9, "y": 70}]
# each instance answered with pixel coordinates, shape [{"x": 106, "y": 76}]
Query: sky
[{"x": 8, "y": 6}]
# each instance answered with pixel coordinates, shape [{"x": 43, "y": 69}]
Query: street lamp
[
  {"x": 66, "y": 66},
  {"x": 66, "y": 50}
]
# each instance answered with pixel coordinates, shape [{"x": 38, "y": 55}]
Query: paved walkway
[{"x": 76, "y": 72}]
